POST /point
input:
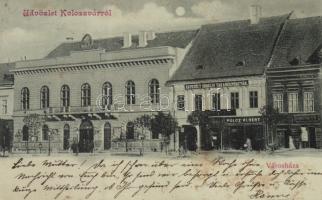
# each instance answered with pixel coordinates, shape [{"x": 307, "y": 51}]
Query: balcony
[{"x": 93, "y": 112}]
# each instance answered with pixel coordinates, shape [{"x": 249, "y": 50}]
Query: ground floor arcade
[{"x": 86, "y": 135}]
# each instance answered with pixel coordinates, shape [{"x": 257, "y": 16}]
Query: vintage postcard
[{"x": 160, "y": 99}]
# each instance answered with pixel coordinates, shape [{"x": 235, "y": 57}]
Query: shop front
[
  {"x": 233, "y": 132},
  {"x": 300, "y": 131}
]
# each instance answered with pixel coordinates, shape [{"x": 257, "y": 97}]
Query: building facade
[
  {"x": 294, "y": 84},
  {"x": 90, "y": 92},
  {"x": 223, "y": 75},
  {"x": 6, "y": 105},
  {"x": 233, "y": 105}
]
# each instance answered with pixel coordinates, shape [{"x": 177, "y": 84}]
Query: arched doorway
[
  {"x": 130, "y": 131},
  {"x": 25, "y": 133},
  {"x": 86, "y": 137},
  {"x": 107, "y": 136},
  {"x": 66, "y": 137},
  {"x": 190, "y": 133}
]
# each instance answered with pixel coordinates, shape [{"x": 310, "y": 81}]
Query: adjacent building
[
  {"x": 294, "y": 83},
  {"x": 6, "y": 104},
  {"x": 224, "y": 73}
]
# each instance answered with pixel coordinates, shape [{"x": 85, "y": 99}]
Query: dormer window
[
  {"x": 87, "y": 42},
  {"x": 295, "y": 61},
  {"x": 200, "y": 67},
  {"x": 240, "y": 64}
]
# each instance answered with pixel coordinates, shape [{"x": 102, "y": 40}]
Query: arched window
[
  {"x": 86, "y": 95},
  {"x": 44, "y": 97},
  {"x": 66, "y": 136},
  {"x": 130, "y": 130},
  {"x": 107, "y": 98},
  {"x": 65, "y": 96},
  {"x": 45, "y": 132},
  {"x": 25, "y": 133},
  {"x": 25, "y": 98},
  {"x": 154, "y": 91},
  {"x": 130, "y": 92}
]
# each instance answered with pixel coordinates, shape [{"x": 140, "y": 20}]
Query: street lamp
[
  {"x": 51, "y": 132},
  {"x": 142, "y": 145},
  {"x": 40, "y": 147}
]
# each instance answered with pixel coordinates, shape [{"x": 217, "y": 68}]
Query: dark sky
[{"x": 34, "y": 37}]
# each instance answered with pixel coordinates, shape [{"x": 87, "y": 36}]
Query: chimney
[
  {"x": 150, "y": 35},
  {"x": 127, "y": 40},
  {"x": 142, "y": 39},
  {"x": 255, "y": 14}
]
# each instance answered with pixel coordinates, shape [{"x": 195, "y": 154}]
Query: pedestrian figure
[
  {"x": 214, "y": 142},
  {"x": 248, "y": 144},
  {"x": 91, "y": 146}
]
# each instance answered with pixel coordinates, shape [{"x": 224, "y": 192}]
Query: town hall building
[{"x": 90, "y": 92}]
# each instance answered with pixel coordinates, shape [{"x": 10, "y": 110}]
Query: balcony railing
[
  {"x": 115, "y": 108},
  {"x": 137, "y": 145}
]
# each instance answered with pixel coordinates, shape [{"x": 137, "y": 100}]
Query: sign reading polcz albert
[
  {"x": 240, "y": 120},
  {"x": 216, "y": 85},
  {"x": 236, "y": 120}
]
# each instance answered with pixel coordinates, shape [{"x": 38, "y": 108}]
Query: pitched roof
[
  {"x": 301, "y": 39},
  {"x": 6, "y": 77},
  {"x": 174, "y": 39},
  {"x": 230, "y": 49}
]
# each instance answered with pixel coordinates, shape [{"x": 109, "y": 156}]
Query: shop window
[
  {"x": 180, "y": 102},
  {"x": 293, "y": 102},
  {"x": 234, "y": 100},
  {"x": 253, "y": 99},
  {"x": 216, "y": 101},
  {"x": 278, "y": 101},
  {"x": 308, "y": 100}
]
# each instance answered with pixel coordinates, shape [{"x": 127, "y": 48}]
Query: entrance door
[
  {"x": 312, "y": 137},
  {"x": 86, "y": 137},
  {"x": 190, "y": 138},
  {"x": 66, "y": 137},
  {"x": 107, "y": 136},
  {"x": 237, "y": 137}
]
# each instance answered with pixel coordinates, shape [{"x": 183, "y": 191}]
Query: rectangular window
[
  {"x": 216, "y": 101},
  {"x": 198, "y": 102},
  {"x": 234, "y": 100},
  {"x": 293, "y": 104},
  {"x": 308, "y": 101},
  {"x": 278, "y": 101},
  {"x": 4, "y": 106},
  {"x": 253, "y": 99},
  {"x": 180, "y": 102}
]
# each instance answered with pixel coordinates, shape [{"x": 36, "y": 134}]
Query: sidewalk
[{"x": 230, "y": 152}]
